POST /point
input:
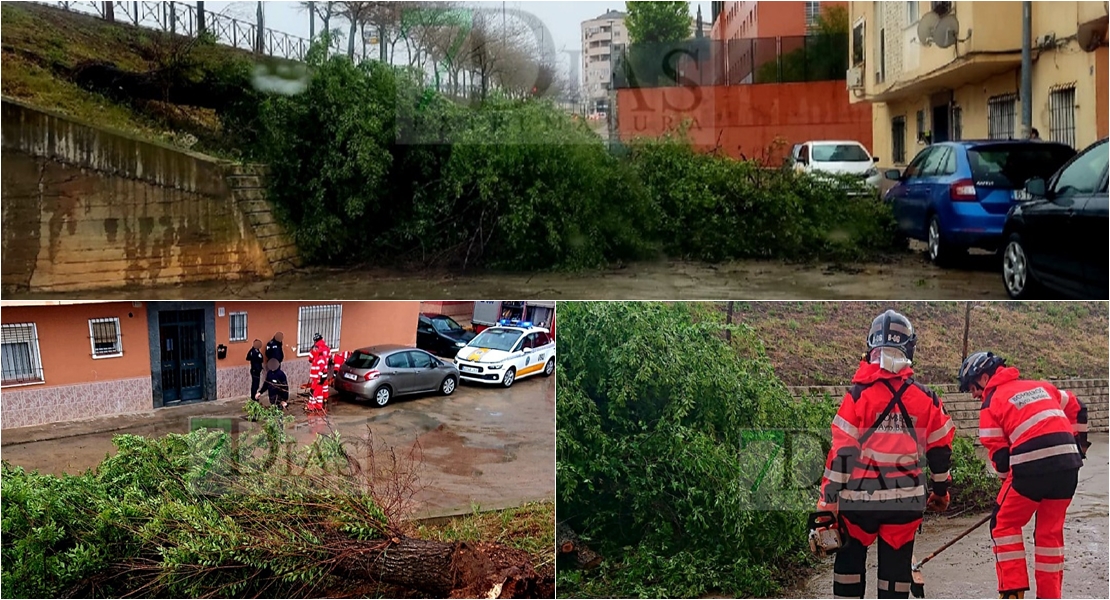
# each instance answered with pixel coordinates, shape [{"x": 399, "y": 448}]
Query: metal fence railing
[
  {"x": 182, "y": 18},
  {"x": 698, "y": 62}
]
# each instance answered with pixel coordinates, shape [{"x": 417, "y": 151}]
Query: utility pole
[{"x": 1026, "y": 69}]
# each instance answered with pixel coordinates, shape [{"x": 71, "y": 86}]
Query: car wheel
[
  {"x": 549, "y": 368},
  {"x": 509, "y": 378},
  {"x": 448, "y": 386},
  {"x": 383, "y": 396},
  {"x": 940, "y": 253},
  {"x": 1016, "y": 276}
]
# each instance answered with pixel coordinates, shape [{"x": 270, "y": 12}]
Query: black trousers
[
  {"x": 850, "y": 565},
  {"x": 256, "y": 377}
]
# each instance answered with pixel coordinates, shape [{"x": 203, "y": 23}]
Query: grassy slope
[
  {"x": 819, "y": 343},
  {"x": 39, "y": 45}
]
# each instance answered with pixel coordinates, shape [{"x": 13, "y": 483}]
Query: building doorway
[
  {"x": 182, "y": 353},
  {"x": 941, "y": 130}
]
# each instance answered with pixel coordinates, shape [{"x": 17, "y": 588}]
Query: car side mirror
[
  {"x": 527, "y": 350},
  {"x": 1037, "y": 188},
  {"x": 893, "y": 174},
  {"x": 874, "y": 159}
]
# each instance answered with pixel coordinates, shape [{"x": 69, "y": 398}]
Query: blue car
[{"x": 955, "y": 195}]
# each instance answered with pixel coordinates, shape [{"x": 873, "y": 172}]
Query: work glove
[
  {"x": 937, "y": 503},
  {"x": 832, "y": 507}
]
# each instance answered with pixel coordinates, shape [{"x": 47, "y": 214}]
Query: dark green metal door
[{"x": 181, "y": 334}]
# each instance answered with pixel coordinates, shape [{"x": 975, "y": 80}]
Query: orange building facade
[{"x": 71, "y": 360}]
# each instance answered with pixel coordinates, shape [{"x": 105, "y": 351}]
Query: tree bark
[
  {"x": 572, "y": 552},
  {"x": 447, "y": 569}
]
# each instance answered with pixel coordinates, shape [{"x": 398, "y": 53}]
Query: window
[
  {"x": 325, "y": 320},
  {"x": 948, "y": 167},
  {"x": 1061, "y": 108},
  {"x": 398, "y": 361},
  {"x": 420, "y": 360},
  {"x": 813, "y": 10},
  {"x": 19, "y": 354},
  {"x": 917, "y": 167},
  {"x": 1084, "y": 175},
  {"x": 913, "y": 13},
  {"x": 898, "y": 139},
  {"x": 957, "y": 123},
  {"x": 1000, "y": 117},
  {"x": 857, "y": 44},
  {"x": 934, "y": 162},
  {"x": 107, "y": 342},
  {"x": 920, "y": 125},
  {"x": 237, "y": 323},
  {"x": 542, "y": 339}
]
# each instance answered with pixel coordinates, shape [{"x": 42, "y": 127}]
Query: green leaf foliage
[{"x": 651, "y": 22}]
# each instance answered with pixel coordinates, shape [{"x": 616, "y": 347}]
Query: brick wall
[{"x": 1095, "y": 393}]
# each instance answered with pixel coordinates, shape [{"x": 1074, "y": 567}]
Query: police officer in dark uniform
[
  {"x": 277, "y": 384},
  {"x": 255, "y": 358},
  {"x": 274, "y": 348}
]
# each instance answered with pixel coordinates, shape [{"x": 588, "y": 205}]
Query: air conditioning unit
[{"x": 855, "y": 78}]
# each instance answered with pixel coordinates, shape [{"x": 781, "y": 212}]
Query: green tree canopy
[{"x": 653, "y": 22}]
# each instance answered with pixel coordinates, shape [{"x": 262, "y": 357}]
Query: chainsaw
[{"x": 824, "y": 533}]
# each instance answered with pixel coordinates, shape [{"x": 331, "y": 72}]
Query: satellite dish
[
  {"x": 925, "y": 27},
  {"x": 1091, "y": 35},
  {"x": 945, "y": 34}
]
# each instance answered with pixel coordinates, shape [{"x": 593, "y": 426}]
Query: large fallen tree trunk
[{"x": 449, "y": 569}]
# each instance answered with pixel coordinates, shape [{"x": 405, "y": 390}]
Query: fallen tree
[{"x": 208, "y": 514}]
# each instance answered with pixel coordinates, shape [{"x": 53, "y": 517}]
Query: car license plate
[
  {"x": 350, "y": 376},
  {"x": 469, "y": 370}
]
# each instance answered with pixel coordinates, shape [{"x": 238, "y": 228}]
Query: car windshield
[
  {"x": 446, "y": 325},
  {"x": 497, "y": 339},
  {"x": 362, "y": 360},
  {"x": 839, "y": 153},
  {"x": 1009, "y": 166}
]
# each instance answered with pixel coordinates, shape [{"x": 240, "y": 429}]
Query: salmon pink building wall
[{"x": 746, "y": 120}]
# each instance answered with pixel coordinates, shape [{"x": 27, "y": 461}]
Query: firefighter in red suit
[
  {"x": 873, "y": 477},
  {"x": 318, "y": 358},
  {"x": 1036, "y": 437}
]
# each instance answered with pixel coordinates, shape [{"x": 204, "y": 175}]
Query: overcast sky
[{"x": 562, "y": 19}]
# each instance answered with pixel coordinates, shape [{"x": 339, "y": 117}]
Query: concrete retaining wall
[
  {"x": 85, "y": 208},
  {"x": 1095, "y": 393}
]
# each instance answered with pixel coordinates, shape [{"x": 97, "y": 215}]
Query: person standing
[
  {"x": 276, "y": 384},
  {"x": 318, "y": 358},
  {"x": 274, "y": 348},
  {"x": 1031, "y": 432},
  {"x": 873, "y": 478},
  {"x": 256, "y": 359}
]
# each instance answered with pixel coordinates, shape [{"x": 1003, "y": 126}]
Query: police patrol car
[{"x": 506, "y": 352}]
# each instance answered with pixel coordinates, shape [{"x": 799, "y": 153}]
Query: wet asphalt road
[
  {"x": 966, "y": 570},
  {"x": 483, "y": 446}
]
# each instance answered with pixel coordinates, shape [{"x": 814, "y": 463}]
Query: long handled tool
[{"x": 917, "y": 588}]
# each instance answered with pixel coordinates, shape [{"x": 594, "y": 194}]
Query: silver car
[{"x": 379, "y": 373}]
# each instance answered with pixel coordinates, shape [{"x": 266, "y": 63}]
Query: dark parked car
[
  {"x": 955, "y": 195},
  {"x": 1057, "y": 239},
  {"x": 441, "y": 335},
  {"x": 379, "y": 373}
]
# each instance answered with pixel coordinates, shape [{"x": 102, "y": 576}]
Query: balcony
[{"x": 987, "y": 42}]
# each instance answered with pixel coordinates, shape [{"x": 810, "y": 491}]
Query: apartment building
[
  {"x": 602, "y": 38},
  {"x": 70, "y": 360},
  {"x": 962, "y": 81}
]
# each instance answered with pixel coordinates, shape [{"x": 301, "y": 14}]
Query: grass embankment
[{"x": 819, "y": 343}]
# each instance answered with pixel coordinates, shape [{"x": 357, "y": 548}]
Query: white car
[
  {"x": 504, "y": 353},
  {"x": 838, "y": 158}
]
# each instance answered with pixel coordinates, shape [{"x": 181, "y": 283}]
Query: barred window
[
  {"x": 237, "y": 322},
  {"x": 957, "y": 123},
  {"x": 1000, "y": 116},
  {"x": 1061, "y": 107},
  {"x": 325, "y": 320},
  {"x": 898, "y": 139},
  {"x": 813, "y": 10},
  {"x": 20, "y": 361},
  {"x": 913, "y": 13},
  {"x": 105, "y": 337},
  {"x": 920, "y": 125}
]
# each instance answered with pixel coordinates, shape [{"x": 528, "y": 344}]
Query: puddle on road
[{"x": 906, "y": 276}]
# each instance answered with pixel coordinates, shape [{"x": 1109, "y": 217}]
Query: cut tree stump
[{"x": 572, "y": 553}]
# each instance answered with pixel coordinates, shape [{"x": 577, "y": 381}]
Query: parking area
[{"x": 484, "y": 446}]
